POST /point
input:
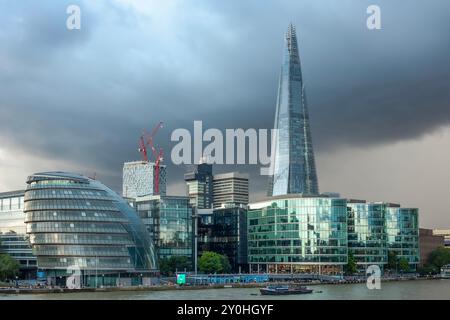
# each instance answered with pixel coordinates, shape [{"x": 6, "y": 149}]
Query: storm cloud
[{"x": 79, "y": 99}]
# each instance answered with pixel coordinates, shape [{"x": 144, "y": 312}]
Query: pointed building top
[
  {"x": 291, "y": 43},
  {"x": 291, "y": 31}
]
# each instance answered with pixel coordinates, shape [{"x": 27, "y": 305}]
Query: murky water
[{"x": 419, "y": 289}]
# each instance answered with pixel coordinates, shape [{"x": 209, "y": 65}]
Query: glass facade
[
  {"x": 13, "y": 238},
  {"x": 169, "y": 221},
  {"x": 367, "y": 233},
  {"x": 296, "y": 234},
  {"x": 229, "y": 235},
  {"x": 204, "y": 231},
  {"x": 294, "y": 163},
  {"x": 403, "y": 233},
  {"x": 74, "y": 221},
  {"x": 11, "y": 212}
]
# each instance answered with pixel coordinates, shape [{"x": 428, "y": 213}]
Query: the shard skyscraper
[{"x": 294, "y": 165}]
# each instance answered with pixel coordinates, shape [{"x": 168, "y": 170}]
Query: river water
[{"x": 404, "y": 290}]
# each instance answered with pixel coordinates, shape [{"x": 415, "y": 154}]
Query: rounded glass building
[{"x": 77, "y": 223}]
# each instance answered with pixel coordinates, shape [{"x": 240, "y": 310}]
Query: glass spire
[{"x": 294, "y": 164}]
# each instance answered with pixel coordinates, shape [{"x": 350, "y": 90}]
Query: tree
[
  {"x": 9, "y": 267},
  {"x": 392, "y": 260},
  {"x": 212, "y": 262},
  {"x": 169, "y": 266},
  {"x": 440, "y": 257},
  {"x": 350, "y": 267},
  {"x": 403, "y": 264},
  {"x": 428, "y": 269}
]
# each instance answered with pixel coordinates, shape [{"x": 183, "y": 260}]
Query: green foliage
[
  {"x": 403, "y": 265},
  {"x": 427, "y": 269},
  {"x": 392, "y": 260},
  {"x": 350, "y": 267},
  {"x": 212, "y": 262},
  {"x": 440, "y": 257},
  {"x": 9, "y": 267},
  {"x": 169, "y": 266}
]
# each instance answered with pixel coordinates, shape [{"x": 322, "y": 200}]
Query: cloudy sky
[{"x": 379, "y": 100}]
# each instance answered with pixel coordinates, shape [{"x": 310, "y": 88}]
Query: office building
[
  {"x": 13, "y": 238},
  {"x": 294, "y": 233},
  {"x": 199, "y": 181},
  {"x": 428, "y": 242},
  {"x": 229, "y": 235},
  {"x": 230, "y": 189},
  {"x": 402, "y": 227},
  {"x": 140, "y": 179},
  {"x": 11, "y": 212},
  {"x": 203, "y": 231},
  {"x": 75, "y": 222},
  {"x": 367, "y": 237},
  {"x": 297, "y": 234},
  {"x": 294, "y": 164},
  {"x": 168, "y": 220}
]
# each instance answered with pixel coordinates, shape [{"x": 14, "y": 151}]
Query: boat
[
  {"x": 280, "y": 290},
  {"x": 445, "y": 272}
]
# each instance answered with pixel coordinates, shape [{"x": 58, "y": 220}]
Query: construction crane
[
  {"x": 147, "y": 140},
  {"x": 157, "y": 155},
  {"x": 143, "y": 148}
]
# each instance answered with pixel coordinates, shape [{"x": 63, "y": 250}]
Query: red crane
[
  {"x": 143, "y": 148},
  {"x": 147, "y": 140}
]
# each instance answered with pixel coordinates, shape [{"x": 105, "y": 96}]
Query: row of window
[
  {"x": 85, "y": 239},
  {"x": 84, "y": 263},
  {"x": 66, "y": 194},
  {"x": 300, "y": 251},
  {"x": 77, "y": 250},
  {"x": 305, "y": 259},
  {"x": 75, "y": 215},
  {"x": 69, "y": 204},
  {"x": 74, "y": 227}
]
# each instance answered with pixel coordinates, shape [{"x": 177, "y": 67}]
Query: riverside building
[
  {"x": 13, "y": 237},
  {"x": 77, "y": 223},
  {"x": 304, "y": 234},
  {"x": 296, "y": 234},
  {"x": 367, "y": 236},
  {"x": 168, "y": 220}
]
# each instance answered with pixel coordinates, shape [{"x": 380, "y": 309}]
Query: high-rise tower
[{"x": 294, "y": 164}]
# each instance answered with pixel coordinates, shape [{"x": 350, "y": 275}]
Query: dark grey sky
[{"x": 379, "y": 100}]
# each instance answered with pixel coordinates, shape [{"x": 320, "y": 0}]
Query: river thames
[{"x": 403, "y": 290}]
